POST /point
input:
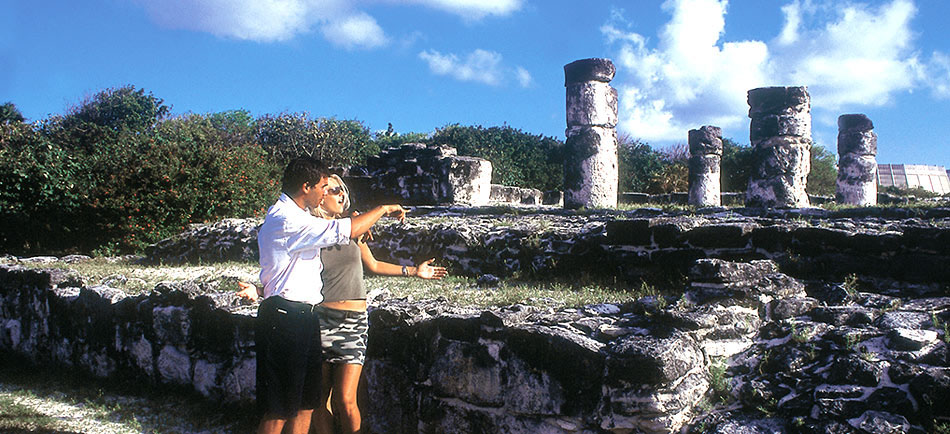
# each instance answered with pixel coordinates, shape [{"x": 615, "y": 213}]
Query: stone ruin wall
[{"x": 795, "y": 341}]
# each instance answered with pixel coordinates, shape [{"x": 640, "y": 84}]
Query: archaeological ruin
[
  {"x": 857, "y": 162},
  {"x": 748, "y": 313},
  {"x": 780, "y": 134},
  {"x": 590, "y": 168},
  {"x": 705, "y": 156}
]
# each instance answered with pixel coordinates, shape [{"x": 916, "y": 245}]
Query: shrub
[
  {"x": 518, "y": 159},
  {"x": 823, "y": 177},
  {"x": 736, "y": 165},
  {"x": 129, "y": 191},
  {"x": 38, "y": 189},
  {"x": 9, "y": 113},
  {"x": 638, "y": 164},
  {"x": 105, "y": 117},
  {"x": 340, "y": 143}
]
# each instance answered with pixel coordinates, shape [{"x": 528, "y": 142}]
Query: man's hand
[{"x": 396, "y": 211}]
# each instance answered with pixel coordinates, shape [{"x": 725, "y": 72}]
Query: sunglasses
[{"x": 335, "y": 190}]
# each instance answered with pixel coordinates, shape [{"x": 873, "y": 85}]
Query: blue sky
[{"x": 423, "y": 64}]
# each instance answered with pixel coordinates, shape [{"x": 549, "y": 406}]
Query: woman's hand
[
  {"x": 248, "y": 291},
  {"x": 426, "y": 270}
]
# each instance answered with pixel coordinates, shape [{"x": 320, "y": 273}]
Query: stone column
[
  {"x": 705, "y": 156},
  {"x": 781, "y": 147},
  {"x": 590, "y": 160},
  {"x": 857, "y": 161}
]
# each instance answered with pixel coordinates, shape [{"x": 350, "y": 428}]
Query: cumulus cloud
[
  {"x": 357, "y": 31},
  {"x": 342, "y": 22},
  {"x": 480, "y": 66},
  {"x": 523, "y": 76},
  {"x": 691, "y": 78},
  {"x": 851, "y": 54},
  {"x": 471, "y": 9},
  {"x": 938, "y": 74}
]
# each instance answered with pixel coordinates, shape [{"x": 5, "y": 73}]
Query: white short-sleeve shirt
[{"x": 290, "y": 241}]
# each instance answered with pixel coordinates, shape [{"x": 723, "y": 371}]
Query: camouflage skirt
[{"x": 343, "y": 335}]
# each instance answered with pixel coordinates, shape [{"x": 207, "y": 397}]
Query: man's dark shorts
[{"x": 289, "y": 358}]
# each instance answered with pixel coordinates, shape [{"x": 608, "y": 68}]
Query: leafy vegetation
[{"x": 518, "y": 159}]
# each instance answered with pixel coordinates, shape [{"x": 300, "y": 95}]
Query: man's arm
[{"x": 363, "y": 222}]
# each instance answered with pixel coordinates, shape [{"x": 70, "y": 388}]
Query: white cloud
[
  {"x": 470, "y": 9},
  {"x": 259, "y": 20},
  {"x": 691, "y": 79},
  {"x": 851, "y": 54},
  {"x": 342, "y": 22},
  {"x": 524, "y": 77},
  {"x": 480, "y": 66},
  {"x": 938, "y": 75},
  {"x": 357, "y": 31},
  {"x": 861, "y": 56}
]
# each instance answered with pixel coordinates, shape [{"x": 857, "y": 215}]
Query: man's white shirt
[{"x": 289, "y": 242}]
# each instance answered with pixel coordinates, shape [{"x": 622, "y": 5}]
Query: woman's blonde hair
[{"x": 320, "y": 212}]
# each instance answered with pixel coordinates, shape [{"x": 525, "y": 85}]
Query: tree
[
  {"x": 390, "y": 138},
  {"x": 736, "y": 165},
  {"x": 823, "y": 177},
  {"x": 518, "y": 159},
  {"x": 638, "y": 164},
  {"x": 10, "y": 113},
  {"x": 340, "y": 143},
  {"x": 107, "y": 117}
]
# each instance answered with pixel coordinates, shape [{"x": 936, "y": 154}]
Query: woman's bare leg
[{"x": 346, "y": 380}]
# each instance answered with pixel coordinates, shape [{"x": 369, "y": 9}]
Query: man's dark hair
[{"x": 300, "y": 171}]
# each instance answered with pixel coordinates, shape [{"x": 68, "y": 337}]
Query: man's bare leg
[
  {"x": 270, "y": 425},
  {"x": 300, "y": 423}
]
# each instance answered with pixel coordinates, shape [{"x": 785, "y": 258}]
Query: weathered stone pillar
[
  {"x": 781, "y": 146},
  {"x": 590, "y": 161},
  {"x": 857, "y": 161},
  {"x": 705, "y": 156}
]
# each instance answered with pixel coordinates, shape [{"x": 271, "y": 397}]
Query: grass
[
  {"x": 118, "y": 404},
  {"x": 466, "y": 292},
  {"x": 133, "y": 278},
  {"x": 17, "y": 417}
]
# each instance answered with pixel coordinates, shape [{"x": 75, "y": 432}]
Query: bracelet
[{"x": 405, "y": 270}]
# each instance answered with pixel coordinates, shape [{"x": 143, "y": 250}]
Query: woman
[{"x": 343, "y": 317}]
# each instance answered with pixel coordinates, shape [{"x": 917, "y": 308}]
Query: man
[{"x": 287, "y": 334}]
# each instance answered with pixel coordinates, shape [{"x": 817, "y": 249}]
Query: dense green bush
[
  {"x": 9, "y": 113},
  {"x": 93, "y": 181},
  {"x": 645, "y": 170},
  {"x": 638, "y": 164},
  {"x": 736, "y": 166},
  {"x": 38, "y": 189},
  {"x": 518, "y": 159},
  {"x": 823, "y": 177},
  {"x": 390, "y": 138},
  {"x": 340, "y": 143}
]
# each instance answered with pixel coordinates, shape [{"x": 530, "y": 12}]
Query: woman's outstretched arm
[{"x": 425, "y": 270}]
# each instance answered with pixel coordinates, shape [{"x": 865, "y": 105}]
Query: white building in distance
[{"x": 931, "y": 178}]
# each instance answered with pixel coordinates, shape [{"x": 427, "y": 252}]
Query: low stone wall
[{"x": 795, "y": 356}]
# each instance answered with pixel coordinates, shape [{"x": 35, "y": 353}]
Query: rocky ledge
[{"x": 799, "y": 321}]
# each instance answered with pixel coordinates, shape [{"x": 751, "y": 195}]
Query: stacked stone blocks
[
  {"x": 857, "y": 161},
  {"x": 705, "y": 150},
  {"x": 780, "y": 133},
  {"x": 590, "y": 165}
]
